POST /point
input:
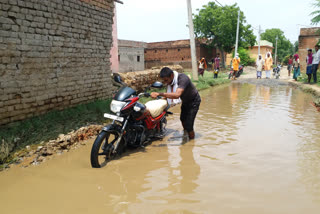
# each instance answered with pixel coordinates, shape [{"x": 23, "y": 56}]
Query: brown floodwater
[{"x": 257, "y": 150}]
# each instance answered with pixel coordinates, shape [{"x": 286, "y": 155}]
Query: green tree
[
  {"x": 284, "y": 46},
  {"x": 245, "y": 57},
  {"x": 316, "y": 19},
  {"x": 218, "y": 24},
  {"x": 296, "y": 47}
]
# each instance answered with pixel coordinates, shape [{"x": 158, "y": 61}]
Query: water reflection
[{"x": 256, "y": 150}]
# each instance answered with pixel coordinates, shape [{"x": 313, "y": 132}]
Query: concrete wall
[
  {"x": 263, "y": 51},
  {"x": 53, "y": 54},
  {"x": 308, "y": 38},
  {"x": 131, "y": 55}
]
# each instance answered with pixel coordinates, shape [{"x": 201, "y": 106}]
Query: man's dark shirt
[{"x": 190, "y": 92}]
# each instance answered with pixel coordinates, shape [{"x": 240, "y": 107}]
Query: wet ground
[{"x": 256, "y": 150}]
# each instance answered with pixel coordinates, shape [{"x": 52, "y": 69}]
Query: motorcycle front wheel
[{"x": 102, "y": 149}]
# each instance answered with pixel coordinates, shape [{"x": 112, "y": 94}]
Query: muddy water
[{"x": 257, "y": 150}]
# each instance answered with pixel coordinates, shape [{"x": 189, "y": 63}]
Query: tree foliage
[
  {"x": 245, "y": 57},
  {"x": 316, "y": 19},
  {"x": 219, "y": 25},
  {"x": 284, "y": 47}
]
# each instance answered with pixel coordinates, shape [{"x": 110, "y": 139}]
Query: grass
[
  {"x": 207, "y": 81},
  {"x": 16, "y": 136},
  {"x": 303, "y": 78}
]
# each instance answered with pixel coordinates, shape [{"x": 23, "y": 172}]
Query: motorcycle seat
[{"x": 156, "y": 107}]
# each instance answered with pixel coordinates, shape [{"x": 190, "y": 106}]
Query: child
[
  {"x": 216, "y": 66},
  {"x": 296, "y": 67}
]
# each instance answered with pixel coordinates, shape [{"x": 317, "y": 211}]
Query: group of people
[
  {"x": 264, "y": 65},
  {"x": 215, "y": 65},
  {"x": 312, "y": 60}
]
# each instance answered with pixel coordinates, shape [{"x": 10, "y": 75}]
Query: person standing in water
[
  {"x": 268, "y": 65},
  {"x": 187, "y": 92}
]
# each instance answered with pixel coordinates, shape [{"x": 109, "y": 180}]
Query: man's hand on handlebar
[{"x": 154, "y": 94}]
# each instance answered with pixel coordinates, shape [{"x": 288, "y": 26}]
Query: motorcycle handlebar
[{"x": 146, "y": 94}]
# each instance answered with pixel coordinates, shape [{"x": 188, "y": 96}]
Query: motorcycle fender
[{"x": 112, "y": 128}]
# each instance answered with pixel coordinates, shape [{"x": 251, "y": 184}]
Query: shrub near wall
[{"x": 53, "y": 54}]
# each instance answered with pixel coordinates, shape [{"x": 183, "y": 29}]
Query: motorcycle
[
  {"x": 276, "y": 71},
  {"x": 133, "y": 124},
  {"x": 240, "y": 71}
]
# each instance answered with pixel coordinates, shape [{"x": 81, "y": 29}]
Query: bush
[{"x": 245, "y": 57}]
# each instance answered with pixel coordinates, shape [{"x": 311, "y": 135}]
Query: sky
[{"x": 166, "y": 20}]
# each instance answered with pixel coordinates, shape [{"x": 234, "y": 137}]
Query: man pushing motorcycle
[{"x": 180, "y": 86}]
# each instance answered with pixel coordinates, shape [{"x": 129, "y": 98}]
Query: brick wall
[
  {"x": 308, "y": 38},
  {"x": 174, "y": 53},
  {"x": 164, "y": 56},
  {"x": 53, "y": 54}
]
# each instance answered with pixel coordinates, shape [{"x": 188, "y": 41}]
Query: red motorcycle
[{"x": 134, "y": 124}]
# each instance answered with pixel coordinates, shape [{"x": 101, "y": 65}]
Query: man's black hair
[{"x": 165, "y": 72}]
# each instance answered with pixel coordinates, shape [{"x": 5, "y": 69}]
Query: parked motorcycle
[
  {"x": 240, "y": 71},
  {"x": 276, "y": 71},
  {"x": 134, "y": 124}
]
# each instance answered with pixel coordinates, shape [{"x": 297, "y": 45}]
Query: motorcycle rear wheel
[{"x": 102, "y": 149}]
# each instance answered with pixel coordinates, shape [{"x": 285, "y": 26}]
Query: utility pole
[
  {"x": 192, "y": 43},
  {"x": 236, "y": 48},
  {"x": 275, "y": 57},
  {"x": 259, "y": 40}
]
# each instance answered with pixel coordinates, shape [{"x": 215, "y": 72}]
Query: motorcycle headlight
[{"x": 116, "y": 106}]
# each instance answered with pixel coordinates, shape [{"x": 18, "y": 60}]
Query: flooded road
[{"x": 257, "y": 150}]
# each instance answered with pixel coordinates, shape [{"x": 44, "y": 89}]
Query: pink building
[{"x": 114, "y": 50}]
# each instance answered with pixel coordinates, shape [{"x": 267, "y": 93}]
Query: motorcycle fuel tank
[
  {"x": 124, "y": 93},
  {"x": 139, "y": 111}
]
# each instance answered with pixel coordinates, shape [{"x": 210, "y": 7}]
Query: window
[
  {"x": 167, "y": 50},
  {"x": 145, "y": 51},
  {"x": 119, "y": 58},
  {"x": 178, "y": 49},
  {"x": 155, "y": 51},
  {"x": 138, "y": 58}
]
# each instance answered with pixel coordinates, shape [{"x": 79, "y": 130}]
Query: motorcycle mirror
[
  {"x": 117, "y": 78},
  {"x": 157, "y": 85}
]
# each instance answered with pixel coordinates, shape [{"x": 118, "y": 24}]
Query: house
[
  {"x": 131, "y": 55},
  {"x": 308, "y": 38},
  {"x": 175, "y": 52},
  {"x": 265, "y": 46}
]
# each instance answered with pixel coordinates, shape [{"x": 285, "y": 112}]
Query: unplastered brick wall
[
  {"x": 308, "y": 38},
  {"x": 54, "y": 54}
]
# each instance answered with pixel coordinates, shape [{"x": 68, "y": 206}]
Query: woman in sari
[
  {"x": 296, "y": 67},
  {"x": 202, "y": 66}
]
